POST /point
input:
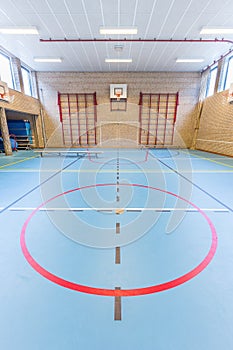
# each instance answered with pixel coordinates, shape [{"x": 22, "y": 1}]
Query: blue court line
[
  {"x": 195, "y": 185},
  {"x": 38, "y": 186}
]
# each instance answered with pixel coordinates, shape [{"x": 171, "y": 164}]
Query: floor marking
[
  {"x": 210, "y": 160},
  {"x": 116, "y": 210},
  {"x": 123, "y": 292},
  {"x": 117, "y": 227},
  {"x": 109, "y": 171},
  {"x": 117, "y": 306},
  {"x": 195, "y": 185},
  {"x": 118, "y": 255},
  {"x": 36, "y": 187},
  {"x": 19, "y": 161}
]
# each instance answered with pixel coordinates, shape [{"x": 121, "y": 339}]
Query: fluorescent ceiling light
[
  {"x": 19, "y": 30},
  {"x": 189, "y": 60},
  {"x": 118, "y": 60},
  {"x": 216, "y": 30},
  {"x": 47, "y": 59},
  {"x": 118, "y": 30}
]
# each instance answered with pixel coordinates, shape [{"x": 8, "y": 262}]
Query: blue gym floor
[{"x": 129, "y": 250}]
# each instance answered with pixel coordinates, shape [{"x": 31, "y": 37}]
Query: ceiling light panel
[
  {"x": 118, "y": 30},
  {"x": 48, "y": 59},
  {"x": 216, "y": 30},
  {"x": 19, "y": 30},
  {"x": 118, "y": 60},
  {"x": 189, "y": 60}
]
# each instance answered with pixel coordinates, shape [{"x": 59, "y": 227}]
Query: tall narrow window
[
  {"x": 211, "y": 81},
  {"x": 27, "y": 81},
  {"x": 6, "y": 70},
  {"x": 229, "y": 73}
]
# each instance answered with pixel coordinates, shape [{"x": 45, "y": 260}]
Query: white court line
[{"x": 116, "y": 208}]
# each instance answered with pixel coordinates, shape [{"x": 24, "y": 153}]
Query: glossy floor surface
[{"x": 132, "y": 249}]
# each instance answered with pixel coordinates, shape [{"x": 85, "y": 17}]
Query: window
[
  {"x": 229, "y": 73},
  {"x": 211, "y": 81},
  {"x": 6, "y": 70},
  {"x": 27, "y": 81}
]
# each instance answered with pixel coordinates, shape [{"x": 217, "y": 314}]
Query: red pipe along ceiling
[{"x": 140, "y": 40}]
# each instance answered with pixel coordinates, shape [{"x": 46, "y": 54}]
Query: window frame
[
  {"x": 215, "y": 68},
  {"x": 226, "y": 72},
  {"x": 23, "y": 67},
  {"x": 11, "y": 71}
]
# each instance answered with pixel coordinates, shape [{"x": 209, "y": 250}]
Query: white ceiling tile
[
  {"x": 67, "y": 25},
  {"x": 110, "y": 19},
  {"x": 81, "y": 25},
  {"x": 74, "y": 6},
  {"x": 10, "y": 14},
  {"x": 22, "y": 5},
  {"x": 126, "y": 19},
  {"x": 55, "y": 27},
  {"x": 40, "y": 6},
  {"x": 92, "y": 6},
  {"x": 57, "y": 6},
  {"x": 145, "y": 6},
  {"x": 95, "y": 21},
  {"x": 110, "y": 6},
  {"x": 128, "y": 6},
  {"x": 141, "y": 23}
]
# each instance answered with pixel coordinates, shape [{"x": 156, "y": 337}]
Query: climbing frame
[
  {"x": 78, "y": 116},
  {"x": 157, "y": 117}
]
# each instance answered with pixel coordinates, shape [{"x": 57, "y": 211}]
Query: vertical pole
[
  {"x": 175, "y": 114},
  {"x": 157, "y": 120},
  {"x": 5, "y": 132},
  {"x": 60, "y": 112},
  {"x": 165, "y": 126},
  {"x": 85, "y": 95},
  {"x": 149, "y": 112},
  {"x": 140, "y": 119},
  {"x": 95, "y": 116},
  {"x": 79, "y": 129},
  {"x": 41, "y": 100},
  {"x": 71, "y": 132}
]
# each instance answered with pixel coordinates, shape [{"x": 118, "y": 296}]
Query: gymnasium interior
[{"x": 116, "y": 169}]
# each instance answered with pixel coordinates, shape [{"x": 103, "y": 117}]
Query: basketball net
[{"x": 118, "y": 97}]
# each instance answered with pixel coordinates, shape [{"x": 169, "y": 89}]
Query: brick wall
[
  {"x": 22, "y": 104},
  {"x": 188, "y": 85}
]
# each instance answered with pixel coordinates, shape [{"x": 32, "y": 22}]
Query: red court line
[{"x": 122, "y": 292}]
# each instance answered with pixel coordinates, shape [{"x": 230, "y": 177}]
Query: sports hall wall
[
  {"x": 23, "y": 107},
  {"x": 187, "y": 84}
]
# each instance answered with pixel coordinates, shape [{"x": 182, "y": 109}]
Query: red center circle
[{"x": 122, "y": 292}]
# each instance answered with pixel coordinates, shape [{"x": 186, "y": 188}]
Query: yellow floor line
[
  {"x": 19, "y": 161},
  {"x": 213, "y": 161},
  {"x": 113, "y": 171}
]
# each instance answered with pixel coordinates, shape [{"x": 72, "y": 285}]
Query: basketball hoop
[{"x": 118, "y": 95}]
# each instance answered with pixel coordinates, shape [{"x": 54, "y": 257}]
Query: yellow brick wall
[
  {"x": 27, "y": 105},
  {"x": 188, "y": 85}
]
